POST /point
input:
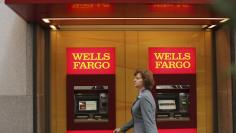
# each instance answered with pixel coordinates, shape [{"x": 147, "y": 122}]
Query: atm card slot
[
  {"x": 82, "y": 116},
  {"x": 97, "y": 117},
  {"x": 163, "y": 116},
  {"x": 178, "y": 115}
]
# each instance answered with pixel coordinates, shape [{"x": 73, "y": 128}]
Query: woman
[{"x": 144, "y": 108}]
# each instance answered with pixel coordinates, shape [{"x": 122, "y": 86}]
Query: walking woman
[{"x": 144, "y": 108}]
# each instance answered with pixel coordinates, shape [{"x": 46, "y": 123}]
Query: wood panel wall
[
  {"x": 131, "y": 53},
  {"x": 224, "y": 83}
]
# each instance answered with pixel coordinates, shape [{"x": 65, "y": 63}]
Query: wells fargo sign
[
  {"x": 90, "y": 60},
  {"x": 172, "y": 60}
]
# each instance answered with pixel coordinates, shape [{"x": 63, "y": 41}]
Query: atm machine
[
  {"x": 90, "y": 102},
  {"x": 174, "y": 70},
  {"x": 90, "y": 89},
  {"x": 175, "y": 97},
  {"x": 91, "y": 106}
]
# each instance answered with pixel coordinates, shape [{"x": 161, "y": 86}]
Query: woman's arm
[
  {"x": 148, "y": 114},
  {"x": 127, "y": 126}
]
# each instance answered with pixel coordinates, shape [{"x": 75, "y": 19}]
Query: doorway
[{"x": 131, "y": 46}]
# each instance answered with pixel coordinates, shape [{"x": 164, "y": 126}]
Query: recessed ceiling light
[
  {"x": 53, "y": 27},
  {"x": 212, "y": 26},
  {"x": 224, "y": 20},
  {"x": 54, "y": 19},
  {"x": 45, "y": 20}
]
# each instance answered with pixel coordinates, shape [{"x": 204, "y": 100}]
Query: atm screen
[
  {"x": 87, "y": 105},
  {"x": 165, "y": 105}
]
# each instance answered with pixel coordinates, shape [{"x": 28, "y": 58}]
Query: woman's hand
[{"x": 117, "y": 130}]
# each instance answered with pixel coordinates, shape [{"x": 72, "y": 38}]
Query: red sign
[
  {"x": 90, "y": 8},
  {"x": 91, "y": 131},
  {"x": 172, "y": 60},
  {"x": 187, "y": 130},
  {"x": 90, "y": 60}
]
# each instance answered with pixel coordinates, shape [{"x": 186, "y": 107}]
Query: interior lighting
[
  {"x": 45, "y": 20},
  {"x": 224, "y": 20},
  {"x": 53, "y": 27},
  {"x": 55, "y": 19},
  {"x": 212, "y": 26}
]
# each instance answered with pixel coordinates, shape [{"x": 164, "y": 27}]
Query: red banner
[
  {"x": 90, "y": 60},
  {"x": 187, "y": 130},
  {"x": 172, "y": 60}
]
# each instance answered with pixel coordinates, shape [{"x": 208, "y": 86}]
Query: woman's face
[{"x": 138, "y": 81}]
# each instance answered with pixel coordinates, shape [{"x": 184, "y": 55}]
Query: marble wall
[{"x": 16, "y": 73}]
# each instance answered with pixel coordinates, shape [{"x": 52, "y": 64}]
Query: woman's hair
[{"x": 147, "y": 77}]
